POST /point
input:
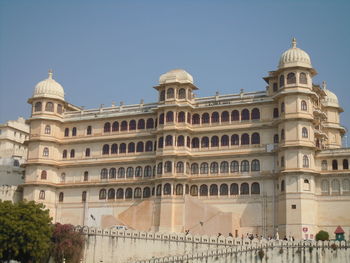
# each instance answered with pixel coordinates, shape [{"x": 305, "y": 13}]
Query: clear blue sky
[{"x": 104, "y": 51}]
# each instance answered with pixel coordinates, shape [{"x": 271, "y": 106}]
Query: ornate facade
[{"x": 252, "y": 162}]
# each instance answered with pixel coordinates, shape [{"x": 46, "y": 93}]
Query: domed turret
[
  {"x": 49, "y": 88},
  {"x": 176, "y": 75},
  {"x": 331, "y": 100},
  {"x": 294, "y": 57}
]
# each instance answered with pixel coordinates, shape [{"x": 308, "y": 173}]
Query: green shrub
[{"x": 322, "y": 235}]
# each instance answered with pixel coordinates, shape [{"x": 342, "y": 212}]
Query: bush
[{"x": 322, "y": 235}]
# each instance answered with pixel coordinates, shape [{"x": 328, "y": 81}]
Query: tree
[
  {"x": 25, "y": 231},
  {"x": 67, "y": 244},
  {"x": 322, "y": 235}
]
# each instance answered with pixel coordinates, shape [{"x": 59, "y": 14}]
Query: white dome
[
  {"x": 49, "y": 88},
  {"x": 294, "y": 57},
  {"x": 176, "y": 75},
  {"x": 331, "y": 100}
]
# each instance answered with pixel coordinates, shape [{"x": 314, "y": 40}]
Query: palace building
[{"x": 252, "y": 162}]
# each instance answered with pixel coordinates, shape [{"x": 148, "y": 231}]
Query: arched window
[
  {"x": 302, "y": 78},
  {"x": 122, "y": 148},
  {"x": 168, "y": 167},
  {"x": 275, "y": 113},
  {"x": 334, "y": 165},
  {"x": 345, "y": 164},
  {"x": 214, "y": 168},
  {"x": 162, "y": 95},
  {"x": 131, "y": 147},
  {"x": 83, "y": 196},
  {"x": 38, "y": 106},
  {"x": 291, "y": 79},
  {"x": 170, "y": 93},
  {"x": 148, "y": 171},
  {"x": 60, "y": 197},
  {"x": 72, "y": 153},
  {"x": 104, "y": 173},
  {"x": 234, "y": 139},
  {"x": 180, "y": 141},
  {"x": 112, "y": 173},
  {"x": 160, "y": 142},
  {"x": 282, "y": 135},
  {"x": 325, "y": 187},
  {"x": 223, "y": 189},
  {"x": 49, "y": 106},
  {"x": 146, "y": 192},
  {"x": 205, "y": 142},
  {"x": 205, "y": 118},
  {"x": 324, "y": 165},
  {"x": 149, "y": 123},
  {"x": 114, "y": 148},
  {"x": 107, "y": 127},
  {"x": 169, "y": 140},
  {"x": 161, "y": 119},
  {"x": 194, "y": 168},
  {"x": 234, "y": 189},
  {"x": 181, "y": 117},
  {"x": 46, "y": 152},
  {"x": 274, "y": 87},
  {"x": 304, "y": 132},
  {"x": 86, "y": 176},
  {"x": 245, "y": 115},
  {"x": 149, "y": 146},
  {"x": 43, "y": 175},
  {"x": 255, "y": 114},
  {"x": 88, "y": 130},
  {"x": 255, "y": 138},
  {"x": 306, "y": 186},
  {"x": 213, "y": 189},
  {"x": 169, "y": 116},
  {"x": 64, "y": 154},
  {"x": 255, "y": 165},
  {"x": 180, "y": 167},
  {"x": 16, "y": 163},
  {"x": 160, "y": 168},
  {"x": 303, "y": 105},
  {"x": 182, "y": 94},
  {"x": 305, "y": 162},
  {"x": 74, "y": 131},
  {"x": 42, "y": 195},
  {"x": 204, "y": 168},
  {"x": 244, "y": 139},
  {"x": 245, "y": 189},
  {"x": 111, "y": 194},
  {"x": 137, "y": 193},
  {"x": 102, "y": 194},
  {"x": 47, "y": 129},
  {"x": 196, "y": 119},
  {"x": 139, "y": 147},
  {"x": 59, "y": 109},
  {"x": 124, "y": 126},
  {"x": 224, "y": 167},
  {"x": 335, "y": 187},
  {"x": 275, "y": 138},
  {"x": 225, "y": 140},
  {"x": 195, "y": 142},
  {"x": 234, "y": 167},
  {"x": 235, "y": 115},
  {"x": 225, "y": 116},
  {"x": 167, "y": 189},
  {"x": 121, "y": 172},
  {"x": 215, "y": 141},
  {"x": 130, "y": 172},
  {"x": 346, "y": 185},
  {"x": 105, "y": 149},
  {"x": 194, "y": 190},
  {"x": 283, "y": 186},
  {"x": 214, "y": 117},
  {"x": 245, "y": 166},
  {"x": 281, "y": 81},
  {"x": 66, "y": 132},
  {"x": 203, "y": 190},
  {"x": 115, "y": 126},
  {"x": 132, "y": 125},
  {"x": 179, "y": 189},
  {"x": 189, "y": 118},
  {"x": 255, "y": 188},
  {"x": 128, "y": 193}
]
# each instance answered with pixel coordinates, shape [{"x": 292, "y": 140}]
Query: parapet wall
[{"x": 105, "y": 245}]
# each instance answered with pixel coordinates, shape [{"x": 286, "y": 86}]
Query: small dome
[
  {"x": 49, "y": 88},
  {"x": 294, "y": 57},
  {"x": 331, "y": 100},
  {"x": 176, "y": 75}
]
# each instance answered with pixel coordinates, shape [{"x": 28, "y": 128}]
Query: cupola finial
[
  {"x": 324, "y": 85},
  {"x": 50, "y": 73},
  {"x": 294, "y": 43}
]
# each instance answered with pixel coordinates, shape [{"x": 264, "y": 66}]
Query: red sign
[{"x": 305, "y": 229}]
